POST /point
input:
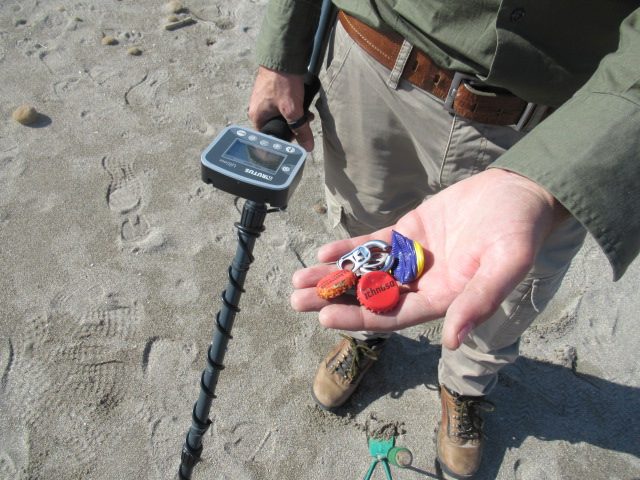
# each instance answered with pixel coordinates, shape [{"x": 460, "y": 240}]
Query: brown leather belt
[{"x": 460, "y": 92}]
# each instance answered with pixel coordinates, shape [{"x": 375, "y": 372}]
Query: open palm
[{"x": 480, "y": 237}]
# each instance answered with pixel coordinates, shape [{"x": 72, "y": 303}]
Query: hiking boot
[
  {"x": 460, "y": 434},
  {"x": 342, "y": 370}
]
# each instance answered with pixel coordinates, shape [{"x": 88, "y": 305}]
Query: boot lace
[
  {"x": 349, "y": 364},
  {"x": 467, "y": 413}
]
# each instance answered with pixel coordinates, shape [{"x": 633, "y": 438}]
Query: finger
[
  {"x": 307, "y": 300},
  {"x": 412, "y": 309},
  {"x": 260, "y": 112},
  {"x": 309, "y": 277},
  {"x": 482, "y": 296},
  {"x": 330, "y": 252},
  {"x": 299, "y": 125},
  {"x": 304, "y": 137}
]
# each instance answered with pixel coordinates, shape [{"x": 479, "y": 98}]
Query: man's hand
[
  {"x": 276, "y": 93},
  {"x": 480, "y": 236}
]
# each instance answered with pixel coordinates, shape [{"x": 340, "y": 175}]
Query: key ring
[
  {"x": 379, "y": 261},
  {"x": 377, "y": 244},
  {"x": 381, "y": 258}
]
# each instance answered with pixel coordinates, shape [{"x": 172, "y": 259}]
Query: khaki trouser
[{"x": 389, "y": 145}]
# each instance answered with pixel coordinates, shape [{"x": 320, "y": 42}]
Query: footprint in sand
[
  {"x": 63, "y": 88},
  {"x": 124, "y": 193},
  {"x": 125, "y": 197},
  {"x": 138, "y": 237},
  {"x": 148, "y": 90},
  {"x": 78, "y": 349},
  {"x": 274, "y": 275},
  {"x": 14, "y": 448},
  {"x": 83, "y": 346},
  {"x": 6, "y": 360},
  {"x": 134, "y": 228},
  {"x": 103, "y": 76},
  {"x": 11, "y": 167}
]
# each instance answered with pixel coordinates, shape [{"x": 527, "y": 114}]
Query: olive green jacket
[{"x": 582, "y": 56}]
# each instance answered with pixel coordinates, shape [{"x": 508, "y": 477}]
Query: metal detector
[{"x": 264, "y": 168}]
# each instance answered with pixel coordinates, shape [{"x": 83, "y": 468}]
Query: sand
[{"x": 113, "y": 255}]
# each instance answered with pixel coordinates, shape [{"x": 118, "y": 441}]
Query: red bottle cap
[
  {"x": 378, "y": 291},
  {"x": 335, "y": 284}
]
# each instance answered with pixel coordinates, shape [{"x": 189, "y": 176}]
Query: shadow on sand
[{"x": 533, "y": 398}]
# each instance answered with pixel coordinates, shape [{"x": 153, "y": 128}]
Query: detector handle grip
[{"x": 277, "y": 126}]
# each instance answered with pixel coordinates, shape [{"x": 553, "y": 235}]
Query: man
[{"x": 490, "y": 132}]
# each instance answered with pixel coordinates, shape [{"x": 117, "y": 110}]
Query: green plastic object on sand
[{"x": 384, "y": 451}]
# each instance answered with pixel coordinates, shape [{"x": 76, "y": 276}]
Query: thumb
[{"x": 481, "y": 297}]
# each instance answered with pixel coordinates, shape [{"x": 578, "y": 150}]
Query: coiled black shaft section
[{"x": 249, "y": 228}]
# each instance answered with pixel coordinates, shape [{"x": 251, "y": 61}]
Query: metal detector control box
[{"x": 253, "y": 165}]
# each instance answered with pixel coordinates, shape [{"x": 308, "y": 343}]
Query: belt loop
[
  {"x": 398, "y": 68},
  {"x": 532, "y": 115}
]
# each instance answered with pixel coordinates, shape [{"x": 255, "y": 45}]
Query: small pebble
[
  {"x": 135, "y": 51},
  {"x": 174, "y": 6},
  {"x": 109, "y": 40},
  {"x": 62, "y": 9},
  {"x": 25, "y": 114},
  {"x": 172, "y": 18},
  {"x": 320, "y": 208}
]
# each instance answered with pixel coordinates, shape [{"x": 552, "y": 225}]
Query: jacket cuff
[
  {"x": 285, "y": 40},
  {"x": 585, "y": 155}
]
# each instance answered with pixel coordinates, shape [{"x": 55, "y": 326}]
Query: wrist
[
  {"x": 267, "y": 71},
  {"x": 558, "y": 212}
]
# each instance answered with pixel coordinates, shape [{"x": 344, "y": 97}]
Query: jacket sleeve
[
  {"x": 587, "y": 153},
  {"x": 286, "y": 36}
]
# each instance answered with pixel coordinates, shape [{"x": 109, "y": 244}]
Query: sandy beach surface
[{"x": 113, "y": 256}]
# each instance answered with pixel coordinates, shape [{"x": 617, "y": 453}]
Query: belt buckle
[{"x": 458, "y": 79}]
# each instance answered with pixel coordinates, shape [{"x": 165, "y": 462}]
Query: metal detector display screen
[{"x": 254, "y": 156}]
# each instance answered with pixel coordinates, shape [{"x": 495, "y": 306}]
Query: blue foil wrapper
[{"x": 403, "y": 249}]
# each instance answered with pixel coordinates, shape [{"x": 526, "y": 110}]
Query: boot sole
[
  {"x": 444, "y": 471},
  {"x": 322, "y": 405},
  {"x": 448, "y": 474}
]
